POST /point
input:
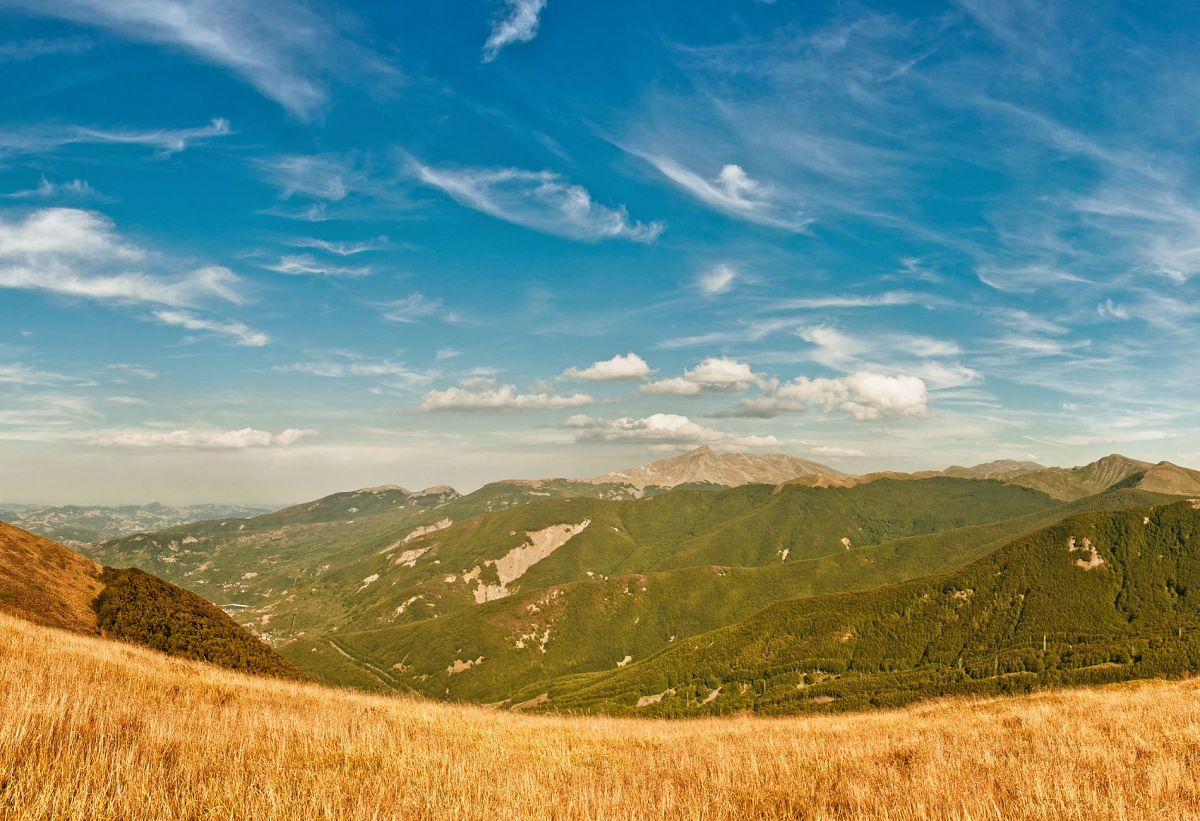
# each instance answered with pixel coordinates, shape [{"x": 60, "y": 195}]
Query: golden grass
[
  {"x": 47, "y": 583},
  {"x": 96, "y": 730}
]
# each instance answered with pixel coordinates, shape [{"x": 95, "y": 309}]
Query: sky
[{"x": 260, "y": 252}]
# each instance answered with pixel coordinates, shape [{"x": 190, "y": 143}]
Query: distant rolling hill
[
  {"x": 88, "y": 524},
  {"x": 1101, "y": 596},
  {"x": 706, "y": 466},
  {"x": 49, "y": 584}
]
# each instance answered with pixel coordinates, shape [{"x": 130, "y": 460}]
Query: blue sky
[{"x": 260, "y": 252}]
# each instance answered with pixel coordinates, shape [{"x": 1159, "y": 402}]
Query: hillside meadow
[{"x": 93, "y": 729}]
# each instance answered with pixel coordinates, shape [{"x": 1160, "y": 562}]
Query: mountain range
[{"x": 567, "y": 593}]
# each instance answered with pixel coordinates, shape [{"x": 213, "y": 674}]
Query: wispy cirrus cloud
[
  {"x": 45, "y": 190},
  {"x": 541, "y": 200},
  {"x": 308, "y": 265},
  {"x": 417, "y": 307},
  {"x": 344, "y": 249},
  {"x": 45, "y": 138},
  {"x": 285, "y": 49},
  {"x": 239, "y": 332},
  {"x": 734, "y": 192},
  {"x": 79, "y": 253},
  {"x": 519, "y": 25},
  {"x": 201, "y": 439}
]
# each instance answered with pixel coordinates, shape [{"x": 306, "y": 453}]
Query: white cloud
[
  {"x": 481, "y": 394},
  {"x": 129, "y": 401},
  {"x": 17, "y": 373},
  {"x": 79, "y": 253},
  {"x": 140, "y": 371},
  {"x": 620, "y": 367},
  {"x": 520, "y": 26},
  {"x": 242, "y": 439},
  {"x": 717, "y": 281},
  {"x": 415, "y": 307},
  {"x": 282, "y": 48},
  {"x": 21, "y": 51},
  {"x": 887, "y": 299},
  {"x": 46, "y": 189},
  {"x": 322, "y": 177},
  {"x": 307, "y": 265},
  {"x": 239, "y": 332},
  {"x": 354, "y": 366},
  {"x": 672, "y": 386},
  {"x": 168, "y": 141},
  {"x": 865, "y": 395},
  {"x": 834, "y": 349},
  {"x": 662, "y": 428},
  {"x": 541, "y": 200},
  {"x": 343, "y": 249},
  {"x": 735, "y": 193},
  {"x": 716, "y": 374}
]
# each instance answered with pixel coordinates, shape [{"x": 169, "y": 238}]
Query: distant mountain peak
[{"x": 705, "y": 465}]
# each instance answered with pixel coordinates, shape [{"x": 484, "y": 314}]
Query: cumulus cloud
[
  {"x": 184, "y": 439},
  {"x": 717, "y": 281},
  {"x": 735, "y": 193},
  {"x": 661, "y": 428},
  {"x": 864, "y": 395},
  {"x": 241, "y": 333},
  {"x": 716, "y": 374},
  {"x": 308, "y": 265},
  {"x": 541, "y": 200},
  {"x": 282, "y": 48},
  {"x": 519, "y": 26},
  {"x": 620, "y": 367},
  {"x": 481, "y": 394}
]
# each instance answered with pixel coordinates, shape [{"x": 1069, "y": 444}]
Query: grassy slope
[
  {"x": 45, "y": 582},
  {"x": 50, "y": 584},
  {"x": 978, "y": 630},
  {"x": 96, "y": 730}
]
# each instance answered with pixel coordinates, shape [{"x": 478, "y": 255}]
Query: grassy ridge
[
  {"x": 96, "y": 730},
  {"x": 1027, "y": 615}
]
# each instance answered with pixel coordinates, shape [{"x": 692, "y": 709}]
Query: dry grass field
[{"x": 97, "y": 730}]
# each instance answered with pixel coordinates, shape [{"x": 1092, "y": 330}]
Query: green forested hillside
[
  {"x": 1100, "y": 596},
  {"x": 141, "y": 609},
  {"x": 594, "y": 624}
]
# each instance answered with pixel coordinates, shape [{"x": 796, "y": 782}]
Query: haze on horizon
[{"x": 261, "y": 253}]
